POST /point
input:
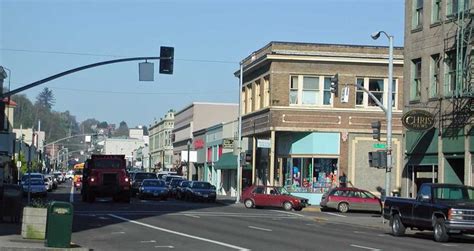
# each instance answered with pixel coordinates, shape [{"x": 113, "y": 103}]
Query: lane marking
[
  {"x": 336, "y": 214},
  {"x": 181, "y": 234},
  {"x": 362, "y": 247},
  {"x": 192, "y": 216},
  {"x": 164, "y": 246},
  {"x": 118, "y": 233},
  {"x": 450, "y": 245},
  {"x": 152, "y": 241},
  {"x": 290, "y": 213},
  {"x": 360, "y": 232},
  {"x": 71, "y": 195},
  {"x": 259, "y": 228}
]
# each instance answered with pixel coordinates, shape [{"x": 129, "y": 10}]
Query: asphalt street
[{"x": 179, "y": 225}]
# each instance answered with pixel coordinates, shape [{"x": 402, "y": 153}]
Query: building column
[
  {"x": 467, "y": 159},
  {"x": 272, "y": 158},
  {"x": 254, "y": 157},
  {"x": 440, "y": 159}
]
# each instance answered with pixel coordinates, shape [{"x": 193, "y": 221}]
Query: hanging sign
[{"x": 418, "y": 120}]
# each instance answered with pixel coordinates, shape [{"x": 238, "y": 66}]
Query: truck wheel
[
  {"x": 343, "y": 207},
  {"x": 396, "y": 225},
  {"x": 440, "y": 231}
]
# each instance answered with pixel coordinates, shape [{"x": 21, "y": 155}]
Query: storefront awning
[{"x": 228, "y": 161}]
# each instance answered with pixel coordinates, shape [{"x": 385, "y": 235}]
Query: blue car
[
  {"x": 153, "y": 188},
  {"x": 36, "y": 187}
]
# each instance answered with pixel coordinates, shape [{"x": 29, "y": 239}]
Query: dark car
[
  {"x": 270, "y": 196},
  {"x": 138, "y": 177},
  {"x": 181, "y": 189},
  {"x": 168, "y": 178},
  {"x": 36, "y": 187},
  {"x": 344, "y": 199},
  {"x": 153, "y": 188},
  {"x": 173, "y": 186},
  {"x": 200, "y": 191}
]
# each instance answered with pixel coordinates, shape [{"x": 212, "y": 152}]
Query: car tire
[
  {"x": 396, "y": 225},
  {"x": 287, "y": 206},
  {"x": 439, "y": 231},
  {"x": 343, "y": 207},
  {"x": 298, "y": 209},
  {"x": 249, "y": 203}
]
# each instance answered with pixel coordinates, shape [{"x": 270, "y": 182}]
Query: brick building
[
  {"x": 438, "y": 70},
  {"x": 302, "y": 136}
]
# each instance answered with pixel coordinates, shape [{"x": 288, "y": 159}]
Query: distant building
[
  {"x": 136, "y": 133},
  {"x": 125, "y": 146},
  {"x": 161, "y": 147}
]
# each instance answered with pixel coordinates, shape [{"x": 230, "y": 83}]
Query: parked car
[
  {"x": 36, "y": 187},
  {"x": 32, "y": 175},
  {"x": 344, "y": 199},
  {"x": 168, "y": 178},
  {"x": 70, "y": 175},
  {"x": 173, "y": 186},
  {"x": 53, "y": 180},
  {"x": 271, "y": 196},
  {"x": 48, "y": 183},
  {"x": 201, "y": 191},
  {"x": 59, "y": 177},
  {"x": 153, "y": 188},
  {"x": 181, "y": 189},
  {"x": 137, "y": 179},
  {"x": 447, "y": 209}
]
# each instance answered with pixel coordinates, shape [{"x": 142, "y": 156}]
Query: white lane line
[
  {"x": 118, "y": 233},
  {"x": 192, "y": 216},
  {"x": 290, "y": 213},
  {"x": 450, "y": 245},
  {"x": 181, "y": 234},
  {"x": 367, "y": 248},
  {"x": 336, "y": 214},
  {"x": 152, "y": 241},
  {"x": 259, "y": 228},
  {"x": 102, "y": 218},
  {"x": 164, "y": 246},
  {"x": 71, "y": 195}
]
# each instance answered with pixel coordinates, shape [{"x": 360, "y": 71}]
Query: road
[{"x": 179, "y": 225}]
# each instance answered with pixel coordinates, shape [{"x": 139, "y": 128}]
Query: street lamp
[
  {"x": 187, "y": 161},
  {"x": 375, "y": 36}
]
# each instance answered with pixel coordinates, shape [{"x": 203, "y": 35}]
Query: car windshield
[
  {"x": 454, "y": 193},
  {"x": 107, "y": 163},
  {"x": 282, "y": 190},
  {"x": 201, "y": 185},
  {"x": 142, "y": 176},
  {"x": 175, "y": 182},
  {"x": 35, "y": 182},
  {"x": 33, "y": 176},
  {"x": 184, "y": 183},
  {"x": 154, "y": 183},
  {"x": 169, "y": 178}
]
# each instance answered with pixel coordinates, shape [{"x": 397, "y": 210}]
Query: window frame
[
  {"x": 365, "y": 96},
  {"x": 299, "y": 91},
  {"x": 435, "y": 70},
  {"x": 416, "y": 78},
  {"x": 435, "y": 11},
  {"x": 417, "y": 14}
]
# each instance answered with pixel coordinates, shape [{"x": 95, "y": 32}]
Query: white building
[
  {"x": 161, "y": 147},
  {"x": 136, "y": 133},
  {"x": 123, "y": 146}
]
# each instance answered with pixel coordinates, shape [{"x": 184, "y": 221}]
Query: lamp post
[
  {"x": 388, "y": 169},
  {"x": 187, "y": 161},
  {"x": 239, "y": 136}
]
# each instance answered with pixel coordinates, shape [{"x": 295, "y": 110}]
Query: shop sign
[
  {"x": 418, "y": 120},
  {"x": 198, "y": 144},
  {"x": 264, "y": 143},
  {"x": 228, "y": 144}
]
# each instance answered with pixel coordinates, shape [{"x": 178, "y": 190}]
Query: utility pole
[{"x": 239, "y": 137}]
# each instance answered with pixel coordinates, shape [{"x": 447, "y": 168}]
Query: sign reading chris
[{"x": 418, "y": 120}]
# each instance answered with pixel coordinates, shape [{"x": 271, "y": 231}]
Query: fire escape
[{"x": 459, "y": 75}]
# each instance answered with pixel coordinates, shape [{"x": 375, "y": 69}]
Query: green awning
[{"x": 228, "y": 161}]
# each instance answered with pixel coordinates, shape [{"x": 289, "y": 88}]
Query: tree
[
  {"x": 24, "y": 111},
  {"x": 122, "y": 130},
  {"x": 45, "y": 99},
  {"x": 103, "y": 125},
  {"x": 89, "y": 125}
]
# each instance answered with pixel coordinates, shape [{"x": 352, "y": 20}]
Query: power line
[
  {"x": 114, "y": 56},
  {"x": 140, "y": 93}
]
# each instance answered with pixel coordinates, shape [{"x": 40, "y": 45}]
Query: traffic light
[
  {"x": 378, "y": 159},
  {"x": 335, "y": 84},
  {"x": 376, "y": 129},
  {"x": 166, "y": 60}
]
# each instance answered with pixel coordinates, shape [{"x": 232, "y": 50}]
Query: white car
[
  {"x": 70, "y": 175},
  {"x": 48, "y": 182}
]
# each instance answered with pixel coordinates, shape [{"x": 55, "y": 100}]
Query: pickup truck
[{"x": 446, "y": 209}]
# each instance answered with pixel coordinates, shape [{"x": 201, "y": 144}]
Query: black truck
[{"x": 446, "y": 209}]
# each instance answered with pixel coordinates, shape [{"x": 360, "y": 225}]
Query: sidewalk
[{"x": 11, "y": 240}]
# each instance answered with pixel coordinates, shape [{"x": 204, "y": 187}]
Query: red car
[
  {"x": 270, "y": 196},
  {"x": 344, "y": 199}
]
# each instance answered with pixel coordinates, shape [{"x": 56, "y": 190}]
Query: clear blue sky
[{"x": 84, "y": 32}]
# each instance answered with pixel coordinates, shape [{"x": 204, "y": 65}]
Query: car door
[
  {"x": 275, "y": 199},
  {"x": 371, "y": 202},
  {"x": 259, "y": 196},
  {"x": 422, "y": 210},
  {"x": 355, "y": 200}
]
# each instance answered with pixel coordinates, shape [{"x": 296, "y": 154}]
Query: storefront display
[{"x": 312, "y": 175}]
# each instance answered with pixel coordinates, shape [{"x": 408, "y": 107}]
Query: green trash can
[{"x": 59, "y": 224}]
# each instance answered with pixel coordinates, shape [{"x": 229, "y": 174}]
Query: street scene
[{"x": 237, "y": 125}]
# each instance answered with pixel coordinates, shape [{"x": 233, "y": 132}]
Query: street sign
[
  {"x": 380, "y": 146},
  {"x": 264, "y": 143}
]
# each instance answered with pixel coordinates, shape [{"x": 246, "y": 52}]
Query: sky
[{"x": 42, "y": 38}]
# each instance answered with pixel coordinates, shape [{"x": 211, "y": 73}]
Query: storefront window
[{"x": 314, "y": 175}]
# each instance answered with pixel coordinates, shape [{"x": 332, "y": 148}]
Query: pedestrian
[{"x": 343, "y": 180}]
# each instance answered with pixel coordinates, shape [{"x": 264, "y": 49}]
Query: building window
[
  {"x": 450, "y": 73},
  {"x": 417, "y": 13},
  {"x": 378, "y": 87},
  {"x": 266, "y": 91},
  {"x": 454, "y": 7},
  {"x": 258, "y": 96},
  {"x": 294, "y": 90},
  {"x": 435, "y": 11},
  {"x": 243, "y": 98},
  {"x": 249, "y": 98},
  {"x": 434, "y": 78},
  {"x": 415, "y": 90},
  {"x": 310, "y": 90}
]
